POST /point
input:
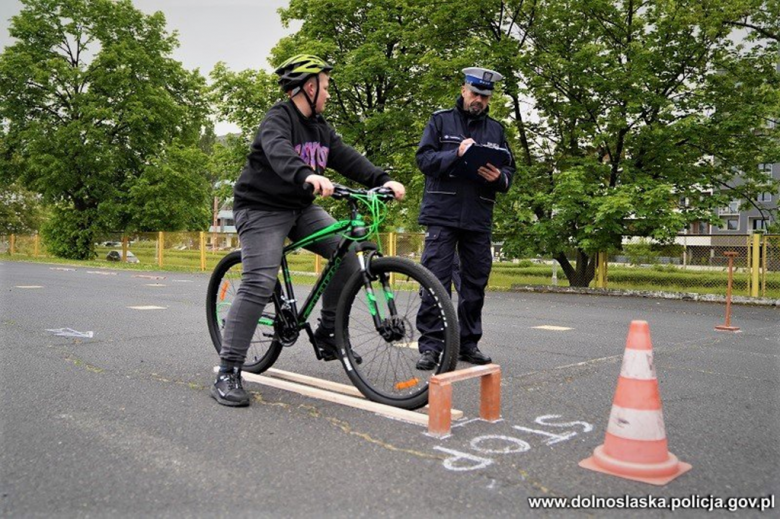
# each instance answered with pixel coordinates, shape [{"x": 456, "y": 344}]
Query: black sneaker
[
  {"x": 428, "y": 361},
  {"x": 474, "y": 357},
  {"x": 326, "y": 342},
  {"x": 227, "y": 389}
]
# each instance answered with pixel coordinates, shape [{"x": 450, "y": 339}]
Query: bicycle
[{"x": 375, "y": 315}]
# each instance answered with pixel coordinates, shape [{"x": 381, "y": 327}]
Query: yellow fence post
[
  {"x": 601, "y": 270},
  {"x": 748, "y": 263},
  {"x": 202, "y": 251},
  {"x": 599, "y": 281},
  {"x": 317, "y": 264},
  {"x": 13, "y": 244},
  {"x": 765, "y": 248},
  {"x": 36, "y": 242},
  {"x": 160, "y": 246},
  {"x": 755, "y": 266},
  {"x": 124, "y": 248}
]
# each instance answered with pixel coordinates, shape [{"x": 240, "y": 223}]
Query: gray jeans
[{"x": 262, "y": 235}]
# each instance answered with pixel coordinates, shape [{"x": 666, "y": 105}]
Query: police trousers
[{"x": 456, "y": 253}]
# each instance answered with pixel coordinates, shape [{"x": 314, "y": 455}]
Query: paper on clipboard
[{"x": 477, "y": 155}]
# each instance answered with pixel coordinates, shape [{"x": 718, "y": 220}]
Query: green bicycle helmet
[{"x": 294, "y": 72}]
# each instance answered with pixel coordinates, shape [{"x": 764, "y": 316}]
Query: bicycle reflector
[
  {"x": 406, "y": 384},
  {"x": 223, "y": 290}
]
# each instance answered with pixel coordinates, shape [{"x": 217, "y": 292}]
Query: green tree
[
  {"x": 244, "y": 97},
  {"x": 93, "y": 104},
  {"x": 761, "y": 18},
  {"x": 171, "y": 193},
  {"x": 21, "y": 211},
  {"x": 622, "y": 110}
]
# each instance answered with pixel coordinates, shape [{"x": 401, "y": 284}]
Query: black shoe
[
  {"x": 428, "y": 361},
  {"x": 227, "y": 389},
  {"x": 474, "y": 357},
  {"x": 326, "y": 342}
]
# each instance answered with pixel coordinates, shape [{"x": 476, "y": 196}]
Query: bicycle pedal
[{"x": 327, "y": 355}]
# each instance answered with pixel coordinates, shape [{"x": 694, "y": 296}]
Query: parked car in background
[{"x": 116, "y": 255}]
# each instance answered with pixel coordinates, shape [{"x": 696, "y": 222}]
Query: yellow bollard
[
  {"x": 13, "y": 244},
  {"x": 124, "y": 248},
  {"x": 36, "y": 241}
]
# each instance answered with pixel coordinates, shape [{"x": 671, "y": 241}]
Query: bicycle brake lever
[{"x": 383, "y": 192}]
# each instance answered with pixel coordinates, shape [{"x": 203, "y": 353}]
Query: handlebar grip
[{"x": 341, "y": 192}]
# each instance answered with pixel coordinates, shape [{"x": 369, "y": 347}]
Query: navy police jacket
[{"x": 449, "y": 200}]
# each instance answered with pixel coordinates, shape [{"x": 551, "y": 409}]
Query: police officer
[{"x": 458, "y": 211}]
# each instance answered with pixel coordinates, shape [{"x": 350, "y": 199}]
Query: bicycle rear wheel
[
  {"x": 223, "y": 286},
  {"x": 388, "y": 373}
]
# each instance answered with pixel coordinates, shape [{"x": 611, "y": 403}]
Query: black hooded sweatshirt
[{"x": 288, "y": 148}]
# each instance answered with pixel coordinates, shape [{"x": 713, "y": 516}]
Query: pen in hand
[{"x": 464, "y": 145}]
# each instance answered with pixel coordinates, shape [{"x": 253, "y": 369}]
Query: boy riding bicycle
[{"x": 292, "y": 148}]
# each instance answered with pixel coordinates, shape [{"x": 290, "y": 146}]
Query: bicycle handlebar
[{"x": 341, "y": 192}]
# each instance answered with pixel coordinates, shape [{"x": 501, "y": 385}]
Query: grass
[
  {"x": 653, "y": 279},
  {"x": 503, "y": 275}
]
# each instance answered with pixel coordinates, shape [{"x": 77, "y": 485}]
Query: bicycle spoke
[{"x": 389, "y": 362}]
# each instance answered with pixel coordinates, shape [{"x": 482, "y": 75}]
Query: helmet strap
[{"x": 313, "y": 102}]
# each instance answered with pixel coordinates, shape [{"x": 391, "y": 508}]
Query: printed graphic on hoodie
[{"x": 314, "y": 154}]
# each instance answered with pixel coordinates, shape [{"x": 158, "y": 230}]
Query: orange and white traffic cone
[{"x": 635, "y": 443}]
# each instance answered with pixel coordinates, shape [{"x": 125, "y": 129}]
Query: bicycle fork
[{"x": 389, "y": 326}]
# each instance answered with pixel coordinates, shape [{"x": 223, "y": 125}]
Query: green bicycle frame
[{"x": 354, "y": 231}]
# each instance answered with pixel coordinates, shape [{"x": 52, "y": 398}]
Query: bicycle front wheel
[
  {"x": 223, "y": 286},
  {"x": 399, "y": 288}
]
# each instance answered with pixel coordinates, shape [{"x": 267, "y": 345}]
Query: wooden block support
[{"x": 440, "y": 397}]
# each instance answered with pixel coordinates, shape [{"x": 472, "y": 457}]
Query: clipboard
[{"x": 478, "y": 155}]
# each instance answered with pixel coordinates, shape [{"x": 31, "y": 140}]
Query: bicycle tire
[
  {"x": 264, "y": 348},
  {"x": 388, "y": 373}
]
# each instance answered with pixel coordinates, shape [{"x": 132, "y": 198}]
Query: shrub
[{"x": 642, "y": 252}]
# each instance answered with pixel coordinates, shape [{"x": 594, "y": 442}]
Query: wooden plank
[
  {"x": 316, "y": 382},
  {"x": 359, "y": 403},
  {"x": 335, "y": 386},
  {"x": 463, "y": 374}
]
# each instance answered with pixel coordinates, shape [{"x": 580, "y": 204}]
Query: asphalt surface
[{"x": 121, "y": 424}]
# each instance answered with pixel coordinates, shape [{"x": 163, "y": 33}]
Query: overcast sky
[{"x": 239, "y": 32}]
